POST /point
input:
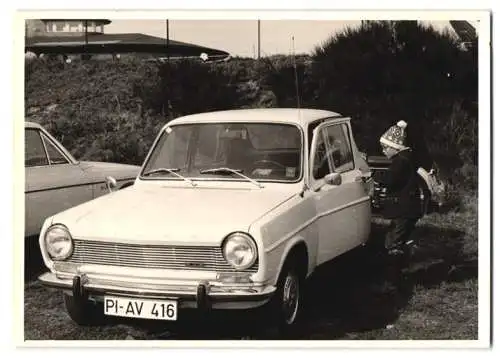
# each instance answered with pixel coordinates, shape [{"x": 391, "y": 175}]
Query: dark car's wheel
[
  {"x": 287, "y": 305},
  {"x": 83, "y": 312}
]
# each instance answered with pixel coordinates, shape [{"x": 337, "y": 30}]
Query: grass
[{"x": 350, "y": 299}]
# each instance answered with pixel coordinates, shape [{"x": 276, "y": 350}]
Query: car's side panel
[
  {"x": 337, "y": 208},
  {"x": 54, "y": 176},
  {"x": 291, "y": 222},
  {"x": 342, "y": 207},
  {"x": 362, "y": 210},
  {"x": 360, "y": 207},
  {"x": 98, "y": 171},
  {"x": 362, "y": 175},
  {"x": 101, "y": 189}
]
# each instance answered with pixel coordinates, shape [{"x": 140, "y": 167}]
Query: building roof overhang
[
  {"x": 116, "y": 43},
  {"x": 100, "y": 21}
]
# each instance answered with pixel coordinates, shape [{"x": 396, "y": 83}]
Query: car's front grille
[{"x": 151, "y": 256}]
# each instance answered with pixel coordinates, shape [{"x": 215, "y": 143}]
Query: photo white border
[{"x": 484, "y": 159}]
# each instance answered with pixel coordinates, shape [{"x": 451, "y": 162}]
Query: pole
[
  {"x": 169, "y": 104},
  {"x": 168, "y": 41},
  {"x": 86, "y": 33},
  {"x": 86, "y": 38},
  {"x": 295, "y": 70},
  {"x": 258, "y": 39}
]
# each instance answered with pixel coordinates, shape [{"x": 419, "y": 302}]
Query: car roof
[
  {"x": 301, "y": 117},
  {"x": 28, "y": 124}
]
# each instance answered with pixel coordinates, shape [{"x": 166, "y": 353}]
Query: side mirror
[
  {"x": 333, "y": 179},
  {"x": 111, "y": 183},
  {"x": 363, "y": 155}
]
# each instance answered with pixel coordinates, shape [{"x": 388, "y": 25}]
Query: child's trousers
[{"x": 399, "y": 233}]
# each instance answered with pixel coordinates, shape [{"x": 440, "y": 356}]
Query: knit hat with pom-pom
[{"x": 395, "y": 136}]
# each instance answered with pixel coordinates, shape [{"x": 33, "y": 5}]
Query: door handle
[{"x": 363, "y": 178}]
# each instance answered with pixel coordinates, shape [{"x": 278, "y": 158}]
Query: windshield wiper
[
  {"x": 227, "y": 170},
  {"x": 171, "y": 171}
]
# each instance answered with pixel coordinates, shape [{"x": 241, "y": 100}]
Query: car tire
[
  {"x": 287, "y": 305},
  {"x": 83, "y": 312}
]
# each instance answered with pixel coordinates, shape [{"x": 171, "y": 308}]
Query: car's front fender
[
  {"x": 290, "y": 224},
  {"x": 297, "y": 241}
]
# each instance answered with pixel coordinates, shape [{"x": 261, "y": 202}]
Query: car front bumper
[{"x": 195, "y": 294}]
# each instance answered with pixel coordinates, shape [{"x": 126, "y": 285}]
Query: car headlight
[
  {"x": 239, "y": 250},
  {"x": 58, "y": 242}
]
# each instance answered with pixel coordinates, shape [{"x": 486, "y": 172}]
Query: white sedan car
[{"x": 232, "y": 210}]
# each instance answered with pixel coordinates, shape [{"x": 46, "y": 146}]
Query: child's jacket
[{"x": 401, "y": 180}]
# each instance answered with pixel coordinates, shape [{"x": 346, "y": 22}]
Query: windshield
[{"x": 259, "y": 151}]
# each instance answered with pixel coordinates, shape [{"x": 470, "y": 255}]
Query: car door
[
  {"x": 343, "y": 209},
  {"x": 53, "y": 181},
  {"x": 356, "y": 175}
]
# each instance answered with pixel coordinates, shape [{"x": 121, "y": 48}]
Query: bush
[
  {"x": 386, "y": 71},
  {"x": 188, "y": 87}
]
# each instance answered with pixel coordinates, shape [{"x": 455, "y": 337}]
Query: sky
[{"x": 239, "y": 37}]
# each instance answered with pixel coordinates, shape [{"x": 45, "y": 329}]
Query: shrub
[
  {"x": 386, "y": 71},
  {"x": 188, "y": 87}
]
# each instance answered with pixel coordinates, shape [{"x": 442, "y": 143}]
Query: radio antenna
[{"x": 295, "y": 71}]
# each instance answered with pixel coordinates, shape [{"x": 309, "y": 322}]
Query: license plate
[{"x": 141, "y": 308}]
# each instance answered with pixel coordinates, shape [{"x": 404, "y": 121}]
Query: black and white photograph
[{"x": 249, "y": 177}]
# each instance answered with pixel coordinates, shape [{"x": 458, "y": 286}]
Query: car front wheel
[
  {"x": 289, "y": 301},
  {"x": 83, "y": 312}
]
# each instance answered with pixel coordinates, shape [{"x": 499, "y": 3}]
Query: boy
[{"x": 402, "y": 203}]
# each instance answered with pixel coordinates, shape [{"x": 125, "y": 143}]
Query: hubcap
[{"x": 291, "y": 294}]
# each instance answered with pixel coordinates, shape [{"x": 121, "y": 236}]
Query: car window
[
  {"x": 273, "y": 137},
  {"x": 207, "y": 150},
  {"x": 322, "y": 164},
  {"x": 55, "y": 155},
  {"x": 262, "y": 151},
  {"x": 339, "y": 147},
  {"x": 172, "y": 153},
  {"x": 34, "y": 151}
]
